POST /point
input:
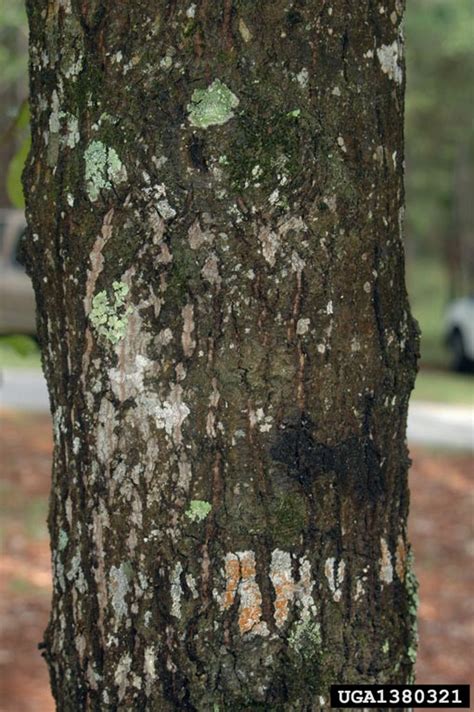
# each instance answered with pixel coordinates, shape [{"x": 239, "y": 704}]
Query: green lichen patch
[
  {"x": 109, "y": 316},
  {"x": 212, "y": 106},
  {"x": 305, "y": 639},
  {"x": 198, "y": 510},
  {"x": 103, "y": 168}
]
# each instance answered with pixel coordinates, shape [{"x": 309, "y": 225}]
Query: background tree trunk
[{"x": 215, "y": 201}]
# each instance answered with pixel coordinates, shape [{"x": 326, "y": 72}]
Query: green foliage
[
  {"x": 13, "y": 42},
  {"x": 428, "y": 288},
  {"x": 19, "y": 344},
  {"x": 20, "y": 132},
  {"x": 440, "y": 64},
  {"x": 15, "y": 170}
]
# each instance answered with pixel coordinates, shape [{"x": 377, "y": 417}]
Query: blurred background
[{"x": 439, "y": 231}]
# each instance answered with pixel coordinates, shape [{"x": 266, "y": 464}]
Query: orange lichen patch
[
  {"x": 240, "y": 572},
  {"x": 232, "y": 575},
  {"x": 250, "y": 611},
  {"x": 284, "y": 585},
  {"x": 400, "y": 558}
]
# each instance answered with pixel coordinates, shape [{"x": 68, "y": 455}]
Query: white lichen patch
[
  {"x": 341, "y": 143},
  {"x": 303, "y": 78},
  {"x": 389, "y": 57},
  {"x": 385, "y": 562},
  {"x": 191, "y": 584},
  {"x": 72, "y": 136},
  {"x": 198, "y": 510},
  {"x": 244, "y": 31},
  {"x": 304, "y": 590},
  {"x": 302, "y": 326},
  {"x": 128, "y": 383},
  {"x": 359, "y": 590},
  {"x": 109, "y": 316},
  {"x": 122, "y": 672},
  {"x": 176, "y": 590},
  {"x": 156, "y": 195},
  {"x": 212, "y": 106},
  {"x": 75, "y": 574},
  {"x": 149, "y": 668},
  {"x": 335, "y": 576},
  {"x": 297, "y": 263},
  {"x": 118, "y": 588},
  {"x": 282, "y": 579},
  {"x": 103, "y": 169},
  {"x": 171, "y": 413}
]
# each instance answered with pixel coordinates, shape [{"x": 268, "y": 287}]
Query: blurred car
[
  {"x": 17, "y": 301},
  {"x": 459, "y": 330}
]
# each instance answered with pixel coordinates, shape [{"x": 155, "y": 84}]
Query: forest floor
[{"x": 442, "y": 486}]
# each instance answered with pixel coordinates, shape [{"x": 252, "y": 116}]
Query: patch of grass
[
  {"x": 444, "y": 387},
  {"x": 428, "y": 289}
]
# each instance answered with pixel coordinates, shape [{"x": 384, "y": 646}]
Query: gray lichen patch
[
  {"x": 212, "y": 106},
  {"x": 198, "y": 510},
  {"x": 109, "y": 316},
  {"x": 103, "y": 168}
]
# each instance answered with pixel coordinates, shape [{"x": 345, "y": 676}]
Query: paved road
[
  {"x": 428, "y": 423},
  {"x": 441, "y": 425}
]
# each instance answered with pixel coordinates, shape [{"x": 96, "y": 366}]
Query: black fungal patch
[
  {"x": 196, "y": 153},
  {"x": 355, "y": 461}
]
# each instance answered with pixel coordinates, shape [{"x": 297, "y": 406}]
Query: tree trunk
[{"x": 215, "y": 200}]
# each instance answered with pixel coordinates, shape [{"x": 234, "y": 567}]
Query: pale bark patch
[{"x": 386, "y": 567}]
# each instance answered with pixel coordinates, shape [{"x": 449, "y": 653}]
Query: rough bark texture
[{"x": 215, "y": 201}]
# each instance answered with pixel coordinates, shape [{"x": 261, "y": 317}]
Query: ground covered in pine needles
[{"x": 442, "y": 486}]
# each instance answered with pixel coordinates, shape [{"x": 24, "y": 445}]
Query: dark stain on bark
[
  {"x": 354, "y": 461},
  {"x": 197, "y": 155}
]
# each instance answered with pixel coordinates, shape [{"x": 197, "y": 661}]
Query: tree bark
[{"x": 215, "y": 207}]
